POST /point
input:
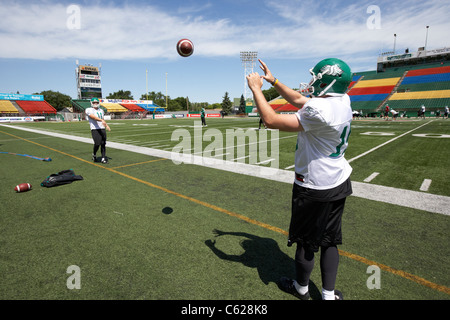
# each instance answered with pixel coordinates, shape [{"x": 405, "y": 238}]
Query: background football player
[{"x": 97, "y": 123}]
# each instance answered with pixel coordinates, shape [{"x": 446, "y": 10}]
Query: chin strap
[{"x": 327, "y": 88}]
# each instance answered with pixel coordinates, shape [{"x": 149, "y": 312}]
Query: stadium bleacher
[
  {"x": 404, "y": 89},
  {"x": 429, "y": 87},
  {"x": 124, "y": 109},
  {"x": 287, "y": 108},
  {"x": 278, "y": 102},
  {"x": 113, "y": 107},
  {"x": 367, "y": 95},
  {"x": 132, "y": 107},
  {"x": 281, "y": 105},
  {"x": 151, "y": 107},
  {"x": 6, "y": 107},
  {"x": 80, "y": 105},
  {"x": 36, "y": 107}
]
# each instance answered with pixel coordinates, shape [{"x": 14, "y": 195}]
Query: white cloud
[{"x": 294, "y": 29}]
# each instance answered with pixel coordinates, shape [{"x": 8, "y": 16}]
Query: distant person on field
[
  {"x": 261, "y": 122},
  {"x": 386, "y": 113},
  {"x": 394, "y": 114},
  {"x": 422, "y": 111},
  {"x": 96, "y": 116},
  {"x": 202, "y": 116}
]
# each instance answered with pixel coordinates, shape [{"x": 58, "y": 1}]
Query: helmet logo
[{"x": 332, "y": 70}]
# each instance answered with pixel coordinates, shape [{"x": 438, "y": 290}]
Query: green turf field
[{"x": 142, "y": 227}]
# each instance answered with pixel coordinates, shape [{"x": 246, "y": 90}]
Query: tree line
[{"x": 60, "y": 101}]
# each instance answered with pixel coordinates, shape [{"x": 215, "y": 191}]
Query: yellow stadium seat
[
  {"x": 377, "y": 83},
  {"x": 113, "y": 107},
  {"x": 6, "y": 106},
  {"x": 278, "y": 101},
  {"x": 435, "y": 94}
]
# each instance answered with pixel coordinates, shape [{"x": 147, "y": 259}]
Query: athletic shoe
[
  {"x": 94, "y": 158},
  {"x": 338, "y": 295},
  {"x": 287, "y": 285},
  {"x": 104, "y": 160}
]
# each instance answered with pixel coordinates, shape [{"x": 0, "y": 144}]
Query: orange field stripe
[
  {"x": 400, "y": 273},
  {"x": 139, "y": 163}
]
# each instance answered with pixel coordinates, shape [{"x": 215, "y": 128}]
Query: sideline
[
  {"x": 352, "y": 256},
  {"x": 410, "y": 199}
]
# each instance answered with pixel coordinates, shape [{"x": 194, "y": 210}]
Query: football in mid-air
[
  {"x": 22, "y": 187},
  {"x": 185, "y": 47}
]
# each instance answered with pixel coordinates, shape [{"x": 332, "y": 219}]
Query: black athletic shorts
[
  {"x": 317, "y": 216},
  {"x": 99, "y": 136}
]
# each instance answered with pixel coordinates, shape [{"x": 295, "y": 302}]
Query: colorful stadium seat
[
  {"x": 132, "y": 107},
  {"x": 36, "y": 107},
  {"x": 113, "y": 107},
  {"x": 404, "y": 89},
  {"x": 6, "y": 106}
]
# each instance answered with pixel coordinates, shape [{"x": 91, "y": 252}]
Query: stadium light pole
[
  {"x": 426, "y": 38},
  {"x": 248, "y": 59},
  {"x": 166, "y": 93},
  {"x": 146, "y": 84},
  {"x": 395, "y": 41}
]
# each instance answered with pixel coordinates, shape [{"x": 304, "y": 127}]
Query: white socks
[
  {"x": 328, "y": 295},
  {"x": 301, "y": 289}
]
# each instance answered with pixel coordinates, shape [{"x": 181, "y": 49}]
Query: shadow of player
[{"x": 265, "y": 255}]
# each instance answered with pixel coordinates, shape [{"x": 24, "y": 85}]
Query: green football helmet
[
  {"x": 95, "y": 102},
  {"x": 329, "y": 76}
]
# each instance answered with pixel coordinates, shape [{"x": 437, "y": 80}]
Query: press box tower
[{"x": 88, "y": 81}]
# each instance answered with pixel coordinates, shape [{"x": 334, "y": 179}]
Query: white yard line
[
  {"x": 387, "y": 142},
  {"x": 371, "y": 177},
  {"x": 425, "y": 185},
  {"x": 265, "y": 161},
  {"x": 406, "y": 198}
]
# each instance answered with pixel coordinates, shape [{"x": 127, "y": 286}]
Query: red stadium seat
[
  {"x": 371, "y": 90},
  {"x": 36, "y": 107},
  {"x": 132, "y": 107},
  {"x": 423, "y": 72}
]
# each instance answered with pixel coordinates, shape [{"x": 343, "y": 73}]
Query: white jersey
[
  {"x": 98, "y": 113},
  {"x": 319, "y": 158}
]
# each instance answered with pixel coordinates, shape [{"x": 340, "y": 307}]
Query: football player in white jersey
[
  {"x": 322, "y": 174},
  {"x": 96, "y": 116}
]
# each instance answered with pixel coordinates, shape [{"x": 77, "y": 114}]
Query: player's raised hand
[
  {"x": 267, "y": 74},
  {"x": 254, "y": 81}
]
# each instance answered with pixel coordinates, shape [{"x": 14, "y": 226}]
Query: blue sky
[{"x": 41, "y": 40}]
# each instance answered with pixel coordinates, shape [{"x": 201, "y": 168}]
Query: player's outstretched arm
[
  {"x": 293, "y": 97},
  {"x": 94, "y": 117},
  {"x": 271, "y": 119}
]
